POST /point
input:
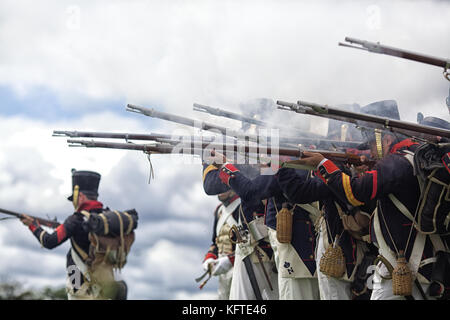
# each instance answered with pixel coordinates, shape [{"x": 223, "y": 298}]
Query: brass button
[{"x": 311, "y": 257}]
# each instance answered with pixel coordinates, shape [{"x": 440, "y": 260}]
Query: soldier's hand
[
  {"x": 222, "y": 266},
  {"x": 362, "y": 168},
  {"x": 217, "y": 158},
  {"x": 26, "y": 220},
  {"x": 207, "y": 262},
  {"x": 311, "y": 159}
]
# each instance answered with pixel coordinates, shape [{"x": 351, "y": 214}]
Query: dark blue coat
[
  {"x": 303, "y": 189},
  {"x": 267, "y": 187},
  {"x": 251, "y": 207},
  {"x": 392, "y": 174}
]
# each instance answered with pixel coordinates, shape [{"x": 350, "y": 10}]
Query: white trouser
[
  {"x": 298, "y": 288},
  {"x": 330, "y": 288},
  {"x": 292, "y": 288},
  {"x": 241, "y": 288},
  {"x": 225, "y": 285},
  {"x": 382, "y": 289}
]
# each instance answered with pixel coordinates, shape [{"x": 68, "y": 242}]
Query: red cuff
[
  {"x": 33, "y": 227},
  {"x": 231, "y": 258},
  {"x": 329, "y": 166},
  {"x": 61, "y": 233},
  {"x": 210, "y": 255},
  {"x": 226, "y": 172}
]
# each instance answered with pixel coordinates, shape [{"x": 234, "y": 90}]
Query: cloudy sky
[{"x": 74, "y": 65}]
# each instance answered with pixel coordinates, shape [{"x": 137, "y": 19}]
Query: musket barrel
[
  {"x": 128, "y": 136},
  {"x": 410, "y": 55},
  {"x": 178, "y": 119},
  {"x": 229, "y": 114},
  {"x": 404, "y": 127}
]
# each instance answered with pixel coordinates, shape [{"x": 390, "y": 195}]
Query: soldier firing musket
[{"x": 100, "y": 241}]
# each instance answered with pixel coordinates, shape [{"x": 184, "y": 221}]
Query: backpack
[
  {"x": 432, "y": 169},
  {"x": 431, "y": 164},
  {"x": 111, "y": 234}
]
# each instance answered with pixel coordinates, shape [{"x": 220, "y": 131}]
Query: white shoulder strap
[
  {"x": 314, "y": 212},
  {"x": 80, "y": 264},
  {"x": 383, "y": 248},
  {"x": 401, "y": 207},
  {"x": 226, "y": 214}
]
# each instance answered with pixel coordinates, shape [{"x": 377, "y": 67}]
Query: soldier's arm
[
  {"x": 211, "y": 181},
  {"x": 59, "y": 236},
  {"x": 300, "y": 188},
  {"x": 260, "y": 188},
  {"x": 386, "y": 177}
]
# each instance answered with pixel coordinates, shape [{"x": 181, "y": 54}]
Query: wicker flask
[
  {"x": 332, "y": 262},
  {"x": 402, "y": 277},
  {"x": 284, "y": 225}
]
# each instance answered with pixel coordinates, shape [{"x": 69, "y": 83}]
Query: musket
[
  {"x": 181, "y": 120},
  {"x": 147, "y": 148},
  {"x": 417, "y": 131},
  {"x": 45, "y": 222},
  {"x": 159, "y": 137},
  {"x": 228, "y": 114},
  {"x": 239, "y": 134},
  {"x": 379, "y": 48},
  {"x": 198, "y": 149},
  {"x": 231, "y": 115}
]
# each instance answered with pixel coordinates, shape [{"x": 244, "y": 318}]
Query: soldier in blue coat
[
  {"x": 337, "y": 226},
  {"x": 392, "y": 185},
  {"x": 297, "y": 278}
]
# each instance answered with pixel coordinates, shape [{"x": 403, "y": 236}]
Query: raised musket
[
  {"x": 401, "y": 53},
  {"x": 235, "y": 116},
  {"x": 159, "y": 137},
  {"x": 228, "y": 114},
  {"x": 417, "y": 131},
  {"x": 147, "y": 148},
  {"x": 239, "y": 134},
  {"x": 45, "y": 222}
]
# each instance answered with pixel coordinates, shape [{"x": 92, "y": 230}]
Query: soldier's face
[
  {"x": 81, "y": 198},
  {"x": 387, "y": 142}
]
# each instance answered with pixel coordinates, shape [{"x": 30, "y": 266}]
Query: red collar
[
  {"x": 90, "y": 205},
  {"x": 234, "y": 198},
  {"x": 404, "y": 144}
]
